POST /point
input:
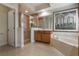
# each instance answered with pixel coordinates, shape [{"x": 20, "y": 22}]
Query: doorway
[
  {"x": 26, "y": 29},
  {"x": 7, "y": 26}
]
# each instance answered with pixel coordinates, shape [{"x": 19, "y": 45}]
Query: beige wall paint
[
  {"x": 17, "y": 28},
  {"x": 3, "y": 25}
]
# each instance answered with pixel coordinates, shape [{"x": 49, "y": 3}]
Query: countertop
[{"x": 36, "y": 29}]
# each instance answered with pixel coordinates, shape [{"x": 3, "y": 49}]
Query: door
[
  {"x": 38, "y": 36},
  {"x": 46, "y": 36},
  {"x": 26, "y": 29},
  {"x": 11, "y": 28}
]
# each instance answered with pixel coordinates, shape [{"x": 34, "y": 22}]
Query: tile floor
[{"x": 37, "y": 49}]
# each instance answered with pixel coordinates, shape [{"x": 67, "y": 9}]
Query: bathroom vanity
[
  {"x": 41, "y": 28},
  {"x": 41, "y": 35}
]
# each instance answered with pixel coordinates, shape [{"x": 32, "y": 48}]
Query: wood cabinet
[
  {"x": 37, "y": 35},
  {"x": 43, "y": 36},
  {"x": 46, "y": 36}
]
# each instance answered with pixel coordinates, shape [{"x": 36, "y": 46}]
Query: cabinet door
[
  {"x": 46, "y": 37},
  {"x": 37, "y": 35}
]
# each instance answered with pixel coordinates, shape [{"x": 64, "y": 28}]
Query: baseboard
[{"x": 3, "y": 44}]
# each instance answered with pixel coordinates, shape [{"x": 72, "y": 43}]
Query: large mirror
[
  {"x": 47, "y": 22},
  {"x": 44, "y": 22},
  {"x": 66, "y": 20}
]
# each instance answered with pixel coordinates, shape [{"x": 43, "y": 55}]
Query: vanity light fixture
[{"x": 44, "y": 13}]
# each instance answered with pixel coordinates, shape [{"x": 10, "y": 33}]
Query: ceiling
[
  {"x": 33, "y": 4},
  {"x": 37, "y": 7}
]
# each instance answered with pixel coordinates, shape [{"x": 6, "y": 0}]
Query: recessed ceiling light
[{"x": 26, "y": 11}]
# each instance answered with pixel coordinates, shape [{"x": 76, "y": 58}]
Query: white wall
[
  {"x": 63, "y": 6},
  {"x": 3, "y": 25},
  {"x": 65, "y": 35}
]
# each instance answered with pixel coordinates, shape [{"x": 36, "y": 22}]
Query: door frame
[{"x": 14, "y": 27}]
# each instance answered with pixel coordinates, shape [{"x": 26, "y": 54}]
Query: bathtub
[{"x": 66, "y": 43}]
